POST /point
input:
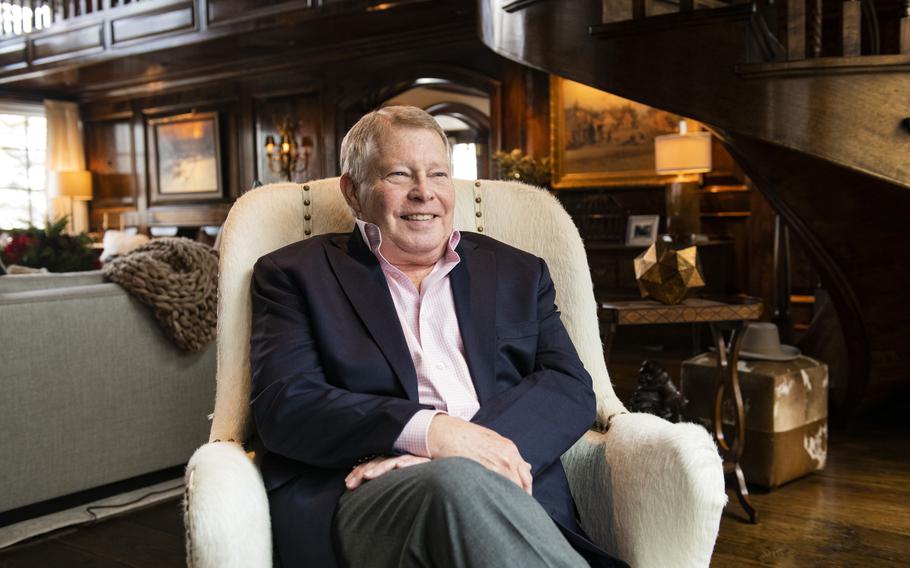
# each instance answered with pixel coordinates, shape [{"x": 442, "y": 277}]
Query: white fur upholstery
[
  {"x": 642, "y": 484},
  {"x": 650, "y": 491},
  {"x": 226, "y": 510}
]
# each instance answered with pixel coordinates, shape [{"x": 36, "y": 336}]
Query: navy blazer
[{"x": 333, "y": 380}]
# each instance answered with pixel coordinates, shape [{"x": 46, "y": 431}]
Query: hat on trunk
[{"x": 761, "y": 340}]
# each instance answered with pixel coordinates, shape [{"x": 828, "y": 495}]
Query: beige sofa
[{"x": 92, "y": 390}]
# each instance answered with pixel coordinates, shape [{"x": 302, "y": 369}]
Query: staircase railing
[
  {"x": 21, "y": 17},
  {"x": 786, "y": 31}
]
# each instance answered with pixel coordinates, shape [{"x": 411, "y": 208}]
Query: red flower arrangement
[
  {"x": 50, "y": 248},
  {"x": 16, "y": 248}
]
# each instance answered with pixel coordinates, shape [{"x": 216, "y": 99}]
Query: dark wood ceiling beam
[{"x": 119, "y": 86}]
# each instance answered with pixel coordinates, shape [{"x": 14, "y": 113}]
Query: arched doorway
[
  {"x": 467, "y": 105},
  {"x": 464, "y": 115}
]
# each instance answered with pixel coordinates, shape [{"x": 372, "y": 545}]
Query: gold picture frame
[
  {"x": 185, "y": 158},
  {"x": 598, "y": 139}
]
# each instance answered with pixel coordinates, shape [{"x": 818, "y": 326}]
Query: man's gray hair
[{"x": 358, "y": 149}]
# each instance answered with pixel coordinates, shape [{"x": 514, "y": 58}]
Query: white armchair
[{"x": 648, "y": 491}]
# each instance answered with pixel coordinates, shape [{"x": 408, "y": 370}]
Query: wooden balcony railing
[
  {"x": 783, "y": 31},
  {"x": 39, "y": 36},
  {"x": 20, "y": 17}
]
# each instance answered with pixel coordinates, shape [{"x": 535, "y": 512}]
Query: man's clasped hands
[{"x": 449, "y": 436}]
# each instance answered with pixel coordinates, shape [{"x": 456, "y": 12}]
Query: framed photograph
[
  {"x": 641, "y": 230},
  {"x": 598, "y": 139},
  {"x": 184, "y": 158}
]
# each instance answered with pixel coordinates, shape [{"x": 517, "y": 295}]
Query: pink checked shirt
[{"x": 430, "y": 326}]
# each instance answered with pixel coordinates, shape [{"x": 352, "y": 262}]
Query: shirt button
[{"x": 440, "y": 366}]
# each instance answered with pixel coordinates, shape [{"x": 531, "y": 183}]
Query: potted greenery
[
  {"x": 517, "y": 166},
  {"x": 50, "y": 248}
]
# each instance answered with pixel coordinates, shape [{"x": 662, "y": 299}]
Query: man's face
[{"x": 410, "y": 196}]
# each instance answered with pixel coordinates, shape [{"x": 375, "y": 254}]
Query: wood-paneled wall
[
  {"x": 326, "y": 97},
  {"x": 328, "y": 93}
]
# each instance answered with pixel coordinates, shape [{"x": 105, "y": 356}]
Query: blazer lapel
[
  {"x": 363, "y": 282},
  {"x": 474, "y": 291}
]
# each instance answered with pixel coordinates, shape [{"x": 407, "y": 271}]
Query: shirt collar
[{"x": 372, "y": 236}]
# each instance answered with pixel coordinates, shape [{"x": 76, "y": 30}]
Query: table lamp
[
  {"x": 687, "y": 155},
  {"x": 77, "y": 186}
]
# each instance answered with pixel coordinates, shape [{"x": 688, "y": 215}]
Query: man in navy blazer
[{"x": 334, "y": 381}]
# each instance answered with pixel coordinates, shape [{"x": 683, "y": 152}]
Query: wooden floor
[
  {"x": 854, "y": 513},
  {"x": 149, "y": 538}
]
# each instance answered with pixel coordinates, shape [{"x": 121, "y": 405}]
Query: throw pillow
[{"x": 117, "y": 243}]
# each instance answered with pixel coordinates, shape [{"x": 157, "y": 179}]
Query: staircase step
[{"x": 826, "y": 66}]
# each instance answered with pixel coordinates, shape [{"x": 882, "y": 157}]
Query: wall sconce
[
  {"x": 287, "y": 157},
  {"x": 687, "y": 155}
]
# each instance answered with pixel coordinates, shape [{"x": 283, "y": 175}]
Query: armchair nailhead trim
[
  {"x": 478, "y": 207},
  {"x": 307, "y": 212}
]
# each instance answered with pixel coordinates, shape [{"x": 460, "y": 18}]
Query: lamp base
[
  {"x": 683, "y": 211},
  {"x": 79, "y": 220},
  {"x": 75, "y": 209}
]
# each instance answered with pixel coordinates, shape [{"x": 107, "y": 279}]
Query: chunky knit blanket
[{"x": 178, "y": 278}]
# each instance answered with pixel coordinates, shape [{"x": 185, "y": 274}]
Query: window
[
  {"x": 22, "y": 155},
  {"x": 464, "y": 161}
]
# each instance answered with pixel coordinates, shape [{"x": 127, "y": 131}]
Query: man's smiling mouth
[{"x": 419, "y": 217}]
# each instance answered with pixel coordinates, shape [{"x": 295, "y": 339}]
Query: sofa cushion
[{"x": 26, "y": 282}]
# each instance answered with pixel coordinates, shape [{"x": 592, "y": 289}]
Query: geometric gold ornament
[{"x": 667, "y": 274}]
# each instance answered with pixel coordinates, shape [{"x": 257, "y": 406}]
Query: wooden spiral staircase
[{"x": 811, "y": 98}]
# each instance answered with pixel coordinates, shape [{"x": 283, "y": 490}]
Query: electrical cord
[{"x": 91, "y": 509}]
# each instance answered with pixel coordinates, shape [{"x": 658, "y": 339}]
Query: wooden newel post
[
  {"x": 851, "y": 33},
  {"x": 905, "y": 27}
]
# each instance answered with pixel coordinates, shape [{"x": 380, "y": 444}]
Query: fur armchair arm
[
  {"x": 649, "y": 491},
  {"x": 226, "y": 511}
]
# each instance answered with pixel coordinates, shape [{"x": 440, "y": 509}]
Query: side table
[{"x": 724, "y": 316}]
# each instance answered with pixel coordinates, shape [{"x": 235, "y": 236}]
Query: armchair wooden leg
[
  {"x": 728, "y": 385},
  {"x": 742, "y": 493}
]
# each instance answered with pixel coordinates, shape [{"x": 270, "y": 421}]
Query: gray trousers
[{"x": 451, "y": 512}]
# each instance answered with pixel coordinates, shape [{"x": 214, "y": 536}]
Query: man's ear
[{"x": 349, "y": 191}]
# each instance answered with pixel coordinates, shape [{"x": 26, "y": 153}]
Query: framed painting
[
  {"x": 598, "y": 139},
  {"x": 185, "y": 158}
]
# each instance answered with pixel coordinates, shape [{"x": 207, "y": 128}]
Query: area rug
[{"x": 91, "y": 512}]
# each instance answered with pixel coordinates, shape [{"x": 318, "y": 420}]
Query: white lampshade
[
  {"x": 683, "y": 153},
  {"x": 75, "y": 184}
]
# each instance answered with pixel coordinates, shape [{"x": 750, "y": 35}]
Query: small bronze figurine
[{"x": 656, "y": 394}]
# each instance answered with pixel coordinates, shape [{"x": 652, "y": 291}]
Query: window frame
[{"x": 28, "y": 110}]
